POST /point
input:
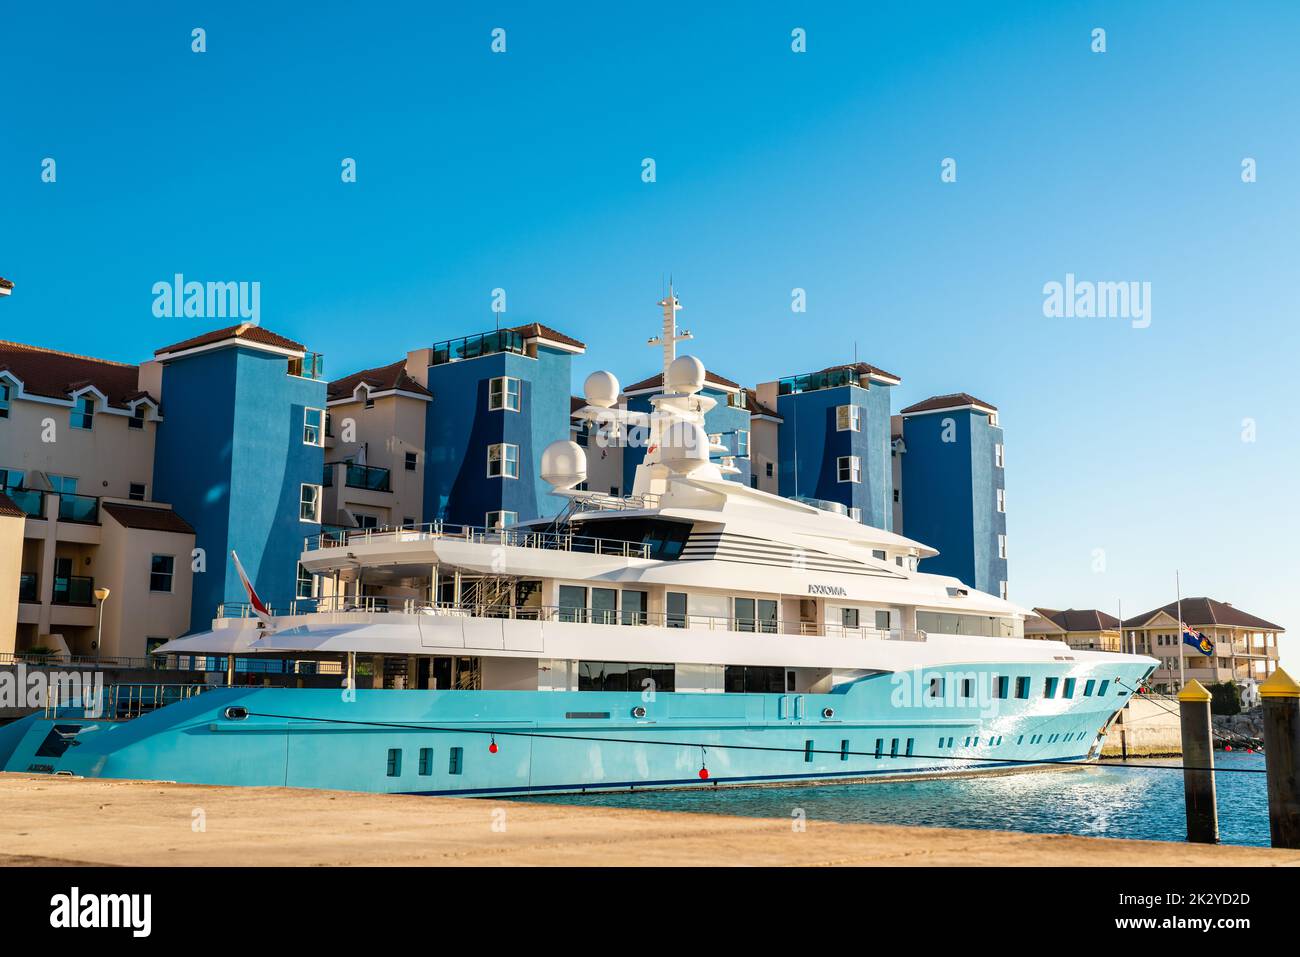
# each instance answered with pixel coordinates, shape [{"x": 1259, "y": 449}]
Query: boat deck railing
[
  {"x": 478, "y": 534},
  {"x": 118, "y": 702},
  {"x": 372, "y": 604}
]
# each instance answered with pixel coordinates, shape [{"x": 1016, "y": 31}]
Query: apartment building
[
  {"x": 953, "y": 495},
  {"x": 1087, "y": 629},
  {"x": 1245, "y": 645},
  {"x": 77, "y": 441},
  {"x": 833, "y": 439}
]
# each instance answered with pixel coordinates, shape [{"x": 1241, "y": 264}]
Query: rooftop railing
[
  {"x": 380, "y": 605},
  {"x": 478, "y": 534},
  {"x": 310, "y": 366},
  {"x": 814, "y": 381},
  {"x": 471, "y": 347},
  {"x": 30, "y": 500},
  {"x": 78, "y": 508}
]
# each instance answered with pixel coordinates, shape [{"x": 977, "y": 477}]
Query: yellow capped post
[
  {"x": 1280, "y": 685},
  {"x": 1194, "y": 691},
  {"x": 1281, "y": 696}
]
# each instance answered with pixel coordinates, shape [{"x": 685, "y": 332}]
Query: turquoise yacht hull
[{"x": 521, "y": 742}]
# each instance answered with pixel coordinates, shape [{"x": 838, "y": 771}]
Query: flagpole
[{"x": 1178, "y": 588}]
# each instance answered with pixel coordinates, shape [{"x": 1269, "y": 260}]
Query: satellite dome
[
  {"x": 685, "y": 374},
  {"x": 684, "y": 445},
  {"x": 564, "y": 464},
  {"x": 601, "y": 389}
]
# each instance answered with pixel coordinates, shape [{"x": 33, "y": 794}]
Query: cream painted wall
[
  {"x": 392, "y": 428},
  {"x": 11, "y": 558},
  {"x": 133, "y": 613},
  {"x": 104, "y": 460}
]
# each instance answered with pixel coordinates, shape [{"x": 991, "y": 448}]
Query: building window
[
  {"x": 136, "y": 491},
  {"x": 1022, "y": 687},
  {"x": 455, "y": 760},
  {"x": 848, "y": 418},
  {"x": 62, "y": 484},
  {"x": 503, "y": 393},
  {"x": 898, "y": 495},
  {"x": 161, "y": 571},
  {"x": 1002, "y": 546},
  {"x": 997, "y": 456},
  {"x": 83, "y": 413},
  {"x": 426, "y": 761},
  {"x": 742, "y": 443},
  {"x": 309, "y": 504},
  {"x": 136, "y": 421},
  {"x": 503, "y": 461},
  {"x": 394, "y": 762},
  {"x": 410, "y": 461},
  {"x": 849, "y": 468},
  {"x": 1002, "y": 500},
  {"x": 369, "y": 402},
  {"x": 4, "y": 400},
  {"x": 501, "y": 519},
  {"x": 769, "y": 469},
  {"x": 1002, "y": 589},
  {"x": 313, "y": 427},
  {"x": 303, "y": 589}
]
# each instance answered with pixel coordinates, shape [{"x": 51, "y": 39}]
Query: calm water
[{"x": 1108, "y": 800}]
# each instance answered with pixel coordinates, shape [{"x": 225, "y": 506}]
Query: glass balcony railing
[
  {"x": 471, "y": 347},
  {"x": 368, "y": 477},
  {"x": 28, "y": 588},
  {"x": 78, "y": 508},
  {"x": 814, "y": 381},
  {"x": 310, "y": 366},
  {"x": 30, "y": 500},
  {"x": 74, "y": 590}
]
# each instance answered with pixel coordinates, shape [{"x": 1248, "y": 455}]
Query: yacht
[{"x": 695, "y": 633}]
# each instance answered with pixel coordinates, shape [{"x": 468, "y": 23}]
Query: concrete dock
[{"x": 71, "y": 821}]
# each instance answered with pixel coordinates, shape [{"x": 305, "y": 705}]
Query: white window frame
[
  {"x": 171, "y": 576},
  {"x": 742, "y": 443},
  {"x": 854, "y": 414},
  {"x": 307, "y": 578},
  {"x": 315, "y": 503},
  {"x": 854, "y": 465},
  {"x": 999, "y": 455},
  {"x": 501, "y": 402},
  {"x": 1002, "y": 499},
  {"x": 1002, "y": 546},
  {"x": 1002, "y": 589},
  {"x": 84, "y": 407},
  {"x": 506, "y": 517},
  {"x": 307, "y": 427},
  {"x": 144, "y": 492},
  {"x": 503, "y": 457}
]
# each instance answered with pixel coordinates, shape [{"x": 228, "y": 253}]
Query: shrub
[{"x": 1225, "y": 698}]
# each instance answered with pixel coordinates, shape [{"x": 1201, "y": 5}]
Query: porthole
[
  {"x": 235, "y": 713},
  {"x": 638, "y": 712},
  {"x": 828, "y": 712}
]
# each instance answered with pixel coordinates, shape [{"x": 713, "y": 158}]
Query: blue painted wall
[
  {"x": 231, "y": 461},
  {"x": 950, "y": 495},
  {"x": 810, "y": 447},
  {"x": 722, "y": 419},
  {"x": 459, "y": 427}
]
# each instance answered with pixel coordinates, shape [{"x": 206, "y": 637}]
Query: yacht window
[
  {"x": 455, "y": 760},
  {"x": 1049, "y": 687},
  {"x": 1069, "y": 688},
  {"x": 676, "y": 609},
  {"x": 394, "y": 762},
  {"x": 753, "y": 679},
  {"x": 634, "y": 607},
  {"x": 1102, "y": 689},
  {"x": 882, "y": 620},
  {"x": 878, "y": 553},
  {"x": 1088, "y": 686},
  {"x": 767, "y": 621},
  {"x": 849, "y": 617},
  {"x": 743, "y": 610},
  {"x": 604, "y": 606},
  {"x": 573, "y": 603},
  {"x": 426, "y": 761}
]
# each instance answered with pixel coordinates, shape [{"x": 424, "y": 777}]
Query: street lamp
[{"x": 101, "y": 594}]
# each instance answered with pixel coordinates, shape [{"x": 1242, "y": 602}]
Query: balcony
[
  {"x": 78, "y": 508},
  {"x": 28, "y": 588},
  {"x": 815, "y": 381},
  {"x": 471, "y": 347},
  {"x": 310, "y": 366},
  {"x": 368, "y": 477},
  {"x": 30, "y": 500},
  {"x": 74, "y": 590}
]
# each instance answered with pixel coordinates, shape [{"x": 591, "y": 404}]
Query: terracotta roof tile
[
  {"x": 754, "y": 407},
  {"x": 953, "y": 401},
  {"x": 861, "y": 368},
  {"x": 151, "y": 519},
  {"x": 535, "y": 330},
  {"x": 57, "y": 375},
  {"x": 657, "y": 382},
  {"x": 1080, "y": 619},
  {"x": 5, "y": 283},
  {"x": 379, "y": 379},
  {"x": 245, "y": 330},
  {"x": 7, "y": 507}
]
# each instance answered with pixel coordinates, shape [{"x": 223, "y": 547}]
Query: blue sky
[{"x": 775, "y": 170}]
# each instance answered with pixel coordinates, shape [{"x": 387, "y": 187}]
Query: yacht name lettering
[{"x": 836, "y": 590}]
